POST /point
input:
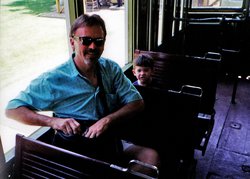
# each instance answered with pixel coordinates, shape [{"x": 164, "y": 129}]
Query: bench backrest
[
  {"x": 2, "y": 157},
  {"x": 167, "y": 119},
  {"x": 36, "y": 159},
  {"x": 172, "y": 71},
  {"x": 2, "y": 161}
]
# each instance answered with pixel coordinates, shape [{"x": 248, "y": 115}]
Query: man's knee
[{"x": 150, "y": 156}]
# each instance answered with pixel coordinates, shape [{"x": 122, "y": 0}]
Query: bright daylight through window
[{"x": 217, "y": 3}]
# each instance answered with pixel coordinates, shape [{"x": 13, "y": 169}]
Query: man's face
[{"x": 88, "y": 43}]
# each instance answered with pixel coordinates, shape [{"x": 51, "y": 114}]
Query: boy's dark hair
[{"x": 144, "y": 61}]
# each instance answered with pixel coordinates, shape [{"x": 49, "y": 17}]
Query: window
[
  {"x": 160, "y": 23},
  {"x": 217, "y": 3},
  {"x": 115, "y": 40},
  {"x": 33, "y": 39}
]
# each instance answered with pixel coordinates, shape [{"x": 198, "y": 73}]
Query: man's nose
[{"x": 92, "y": 45}]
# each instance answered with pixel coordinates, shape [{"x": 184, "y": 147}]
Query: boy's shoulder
[{"x": 135, "y": 82}]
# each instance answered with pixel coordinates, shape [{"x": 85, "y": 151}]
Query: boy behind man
[{"x": 142, "y": 70}]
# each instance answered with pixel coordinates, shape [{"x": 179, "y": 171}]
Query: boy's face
[{"x": 143, "y": 74}]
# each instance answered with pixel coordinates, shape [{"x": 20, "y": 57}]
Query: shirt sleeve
[
  {"x": 120, "y": 90},
  {"x": 36, "y": 96},
  {"x": 125, "y": 88}
]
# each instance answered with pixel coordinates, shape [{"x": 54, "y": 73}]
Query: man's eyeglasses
[{"x": 88, "y": 40}]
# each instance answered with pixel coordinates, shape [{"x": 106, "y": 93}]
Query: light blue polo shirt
[{"x": 68, "y": 94}]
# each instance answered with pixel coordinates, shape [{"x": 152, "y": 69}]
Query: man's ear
[{"x": 72, "y": 43}]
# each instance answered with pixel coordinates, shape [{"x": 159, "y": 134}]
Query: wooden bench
[
  {"x": 231, "y": 63},
  {"x": 166, "y": 124},
  {"x": 173, "y": 71},
  {"x": 36, "y": 159},
  {"x": 2, "y": 161},
  {"x": 166, "y": 120}
]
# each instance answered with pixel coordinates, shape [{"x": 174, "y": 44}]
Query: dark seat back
[
  {"x": 167, "y": 119},
  {"x": 36, "y": 159},
  {"x": 2, "y": 157},
  {"x": 172, "y": 71},
  {"x": 2, "y": 161}
]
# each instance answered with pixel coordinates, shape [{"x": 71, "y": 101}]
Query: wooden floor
[{"x": 228, "y": 152}]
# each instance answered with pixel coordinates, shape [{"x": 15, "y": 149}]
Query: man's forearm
[
  {"x": 27, "y": 116},
  {"x": 127, "y": 111}
]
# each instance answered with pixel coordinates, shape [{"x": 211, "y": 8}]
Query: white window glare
[{"x": 217, "y": 3}]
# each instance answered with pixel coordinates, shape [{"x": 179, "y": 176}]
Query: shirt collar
[{"x": 74, "y": 71}]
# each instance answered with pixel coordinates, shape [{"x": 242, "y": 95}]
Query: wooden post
[{"x": 58, "y": 6}]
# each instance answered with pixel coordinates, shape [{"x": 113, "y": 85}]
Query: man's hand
[
  {"x": 67, "y": 125},
  {"x": 97, "y": 129}
]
